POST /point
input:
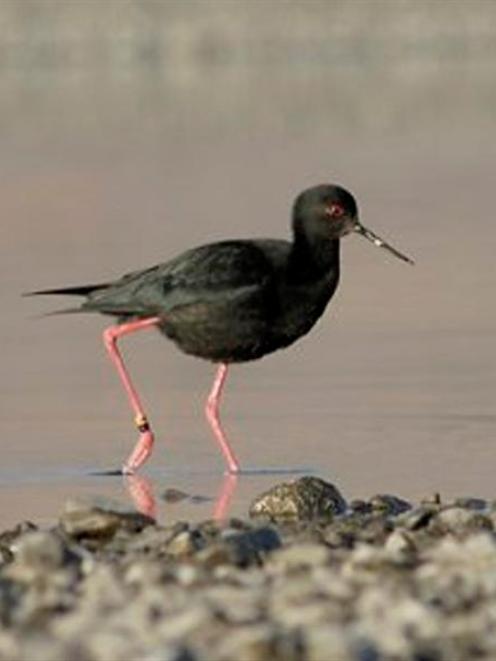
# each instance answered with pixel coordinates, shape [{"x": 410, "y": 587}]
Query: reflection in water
[
  {"x": 141, "y": 491},
  {"x": 224, "y": 498}
]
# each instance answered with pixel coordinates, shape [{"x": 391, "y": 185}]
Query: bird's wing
[{"x": 225, "y": 269}]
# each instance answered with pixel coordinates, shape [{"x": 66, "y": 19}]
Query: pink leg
[
  {"x": 141, "y": 491},
  {"x": 223, "y": 502},
  {"x": 212, "y": 413},
  {"x": 143, "y": 447}
]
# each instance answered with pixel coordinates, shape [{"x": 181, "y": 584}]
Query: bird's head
[{"x": 330, "y": 212}]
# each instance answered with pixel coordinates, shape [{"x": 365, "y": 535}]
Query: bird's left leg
[
  {"x": 212, "y": 413},
  {"x": 223, "y": 502},
  {"x": 143, "y": 447}
]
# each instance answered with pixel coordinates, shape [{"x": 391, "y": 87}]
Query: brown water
[{"x": 108, "y": 170}]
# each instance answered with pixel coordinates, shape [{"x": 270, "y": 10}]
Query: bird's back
[{"x": 226, "y": 301}]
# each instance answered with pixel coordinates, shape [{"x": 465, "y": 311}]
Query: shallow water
[{"x": 106, "y": 171}]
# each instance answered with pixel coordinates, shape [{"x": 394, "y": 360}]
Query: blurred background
[{"x": 134, "y": 129}]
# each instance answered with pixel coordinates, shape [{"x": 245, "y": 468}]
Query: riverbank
[{"x": 306, "y": 576}]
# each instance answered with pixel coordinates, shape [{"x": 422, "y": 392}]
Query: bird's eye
[{"x": 334, "y": 210}]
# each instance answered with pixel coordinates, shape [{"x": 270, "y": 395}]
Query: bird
[{"x": 231, "y": 301}]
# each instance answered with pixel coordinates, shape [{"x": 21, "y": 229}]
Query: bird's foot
[{"x": 140, "y": 454}]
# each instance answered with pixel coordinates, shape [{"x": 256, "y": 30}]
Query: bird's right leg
[{"x": 143, "y": 447}]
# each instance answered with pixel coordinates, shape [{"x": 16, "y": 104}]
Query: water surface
[{"x": 113, "y": 165}]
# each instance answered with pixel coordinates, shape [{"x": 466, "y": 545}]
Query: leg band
[{"x": 141, "y": 423}]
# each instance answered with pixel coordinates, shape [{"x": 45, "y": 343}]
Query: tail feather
[
  {"x": 82, "y": 290},
  {"x": 56, "y": 313}
]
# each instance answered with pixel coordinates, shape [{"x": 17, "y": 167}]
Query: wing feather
[{"x": 199, "y": 275}]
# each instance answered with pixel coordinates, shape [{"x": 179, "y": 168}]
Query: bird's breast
[{"x": 248, "y": 326}]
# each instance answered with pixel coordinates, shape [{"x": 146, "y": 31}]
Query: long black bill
[{"x": 377, "y": 241}]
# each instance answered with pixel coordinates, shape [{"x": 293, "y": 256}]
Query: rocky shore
[{"x": 308, "y": 576}]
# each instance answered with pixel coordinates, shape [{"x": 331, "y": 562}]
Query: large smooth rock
[{"x": 307, "y": 498}]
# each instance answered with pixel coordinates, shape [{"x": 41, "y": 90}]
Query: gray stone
[
  {"x": 92, "y": 523},
  {"x": 417, "y": 518},
  {"x": 298, "y": 556},
  {"x": 401, "y": 546},
  {"x": 307, "y": 498},
  {"x": 241, "y": 549},
  {"x": 82, "y": 522},
  {"x": 254, "y": 643},
  {"x": 172, "y": 495},
  {"x": 471, "y": 503},
  {"x": 41, "y": 551},
  {"x": 389, "y": 505},
  {"x": 8, "y": 537},
  {"x": 326, "y": 642},
  {"x": 360, "y": 506},
  {"x": 186, "y": 543},
  {"x": 234, "y": 605},
  {"x": 170, "y": 653},
  {"x": 459, "y": 521}
]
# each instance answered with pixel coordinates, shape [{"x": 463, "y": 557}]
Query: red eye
[{"x": 335, "y": 210}]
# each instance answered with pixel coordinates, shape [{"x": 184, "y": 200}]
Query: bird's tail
[{"x": 81, "y": 290}]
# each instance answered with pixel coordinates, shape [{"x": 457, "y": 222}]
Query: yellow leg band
[{"x": 141, "y": 423}]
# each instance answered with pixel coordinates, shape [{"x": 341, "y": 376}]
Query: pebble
[
  {"x": 459, "y": 521},
  {"x": 95, "y": 523},
  {"x": 389, "y": 505}
]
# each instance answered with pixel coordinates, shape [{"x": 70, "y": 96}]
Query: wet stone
[
  {"x": 258, "y": 540},
  {"x": 417, "y": 518},
  {"x": 359, "y": 506},
  {"x": 254, "y": 643},
  {"x": 308, "y": 498},
  {"x": 8, "y": 537},
  {"x": 327, "y": 642},
  {"x": 153, "y": 539},
  {"x": 42, "y": 551},
  {"x": 171, "y": 653},
  {"x": 82, "y": 522},
  {"x": 389, "y": 505},
  {"x": 241, "y": 549},
  {"x": 460, "y": 521},
  {"x": 6, "y": 555},
  {"x": 186, "y": 543},
  {"x": 172, "y": 495},
  {"x": 299, "y": 556},
  {"x": 198, "y": 499},
  {"x": 478, "y": 504},
  {"x": 401, "y": 546},
  {"x": 11, "y": 595},
  {"x": 348, "y": 530}
]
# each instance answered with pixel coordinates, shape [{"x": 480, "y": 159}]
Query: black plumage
[{"x": 235, "y": 301}]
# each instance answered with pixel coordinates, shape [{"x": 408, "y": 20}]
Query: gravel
[{"x": 308, "y": 577}]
